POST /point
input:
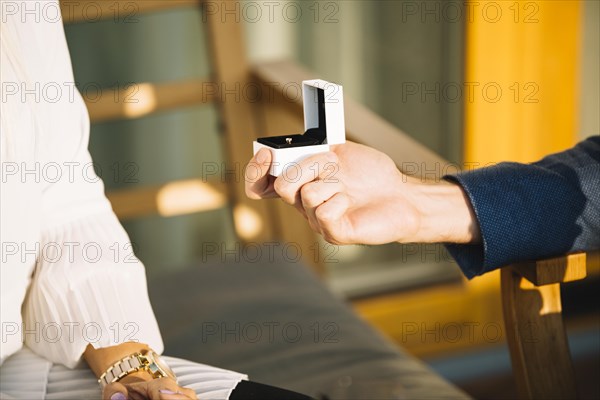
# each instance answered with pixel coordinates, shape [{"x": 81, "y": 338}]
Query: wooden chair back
[{"x": 535, "y": 331}]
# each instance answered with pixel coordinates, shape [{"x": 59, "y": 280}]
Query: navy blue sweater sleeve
[{"x": 533, "y": 211}]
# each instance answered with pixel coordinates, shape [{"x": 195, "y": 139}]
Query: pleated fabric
[
  {"x": 88, "y": 287},
  {"x": 26, "y": 376}
]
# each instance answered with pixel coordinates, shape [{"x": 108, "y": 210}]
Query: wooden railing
[
  {"x": 75, "y": 11},
  {"x": 137, "y": 100}
]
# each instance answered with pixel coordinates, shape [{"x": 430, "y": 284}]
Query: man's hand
[{"x": 355, "y": 194}]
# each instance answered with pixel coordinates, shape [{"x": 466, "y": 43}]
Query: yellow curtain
[{"x": 521, "y": 79}]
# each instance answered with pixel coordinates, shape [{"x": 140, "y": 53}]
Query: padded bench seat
[{"x": 276, "y": 321}]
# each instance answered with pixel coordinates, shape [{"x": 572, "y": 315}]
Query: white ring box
[{"x": 323, "y": 123}]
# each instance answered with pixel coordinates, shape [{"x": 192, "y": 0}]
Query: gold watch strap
[{"x": 120, "y": 369}]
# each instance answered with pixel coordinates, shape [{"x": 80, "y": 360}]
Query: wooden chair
[{"x": 535, "y": 331}]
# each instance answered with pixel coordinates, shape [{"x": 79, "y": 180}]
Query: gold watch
[{"x": 146, "y": 360}]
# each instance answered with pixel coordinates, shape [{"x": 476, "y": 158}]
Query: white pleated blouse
[{"x": 68, "y": 273}]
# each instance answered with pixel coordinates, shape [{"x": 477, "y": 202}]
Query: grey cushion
[{"x": 276, "y": 322}]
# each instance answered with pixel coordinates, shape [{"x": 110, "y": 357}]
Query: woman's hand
[
  {"x": 138, "y": 385},
  {"x": 152, "y": 389},
  {"x": 355, "y": 194}
]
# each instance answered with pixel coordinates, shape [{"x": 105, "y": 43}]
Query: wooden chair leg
[{"x": 534, "y": 327}]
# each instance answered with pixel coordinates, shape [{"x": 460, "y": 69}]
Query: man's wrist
[{"x": 445, "y": 214}]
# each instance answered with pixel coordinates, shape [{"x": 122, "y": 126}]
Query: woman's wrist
[
  {"x": 137, "y": 376},
  {"x": 101, "y": 359},
  {"x": 445, "y": 214}
]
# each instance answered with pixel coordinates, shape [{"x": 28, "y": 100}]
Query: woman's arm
[
  {"x": 136, "y": 385},
  {"x": 100, "y": 359}
]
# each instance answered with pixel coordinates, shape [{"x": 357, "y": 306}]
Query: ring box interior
[{"x": 323, "y": 122}]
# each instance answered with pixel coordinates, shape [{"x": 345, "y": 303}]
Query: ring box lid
[{"x": 324, "y": 111}]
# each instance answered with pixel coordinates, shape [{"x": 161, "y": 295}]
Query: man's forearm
[{"x": 533, "y": 211}]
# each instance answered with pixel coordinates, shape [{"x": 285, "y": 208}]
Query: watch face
[{"x": 163, "y": 368}]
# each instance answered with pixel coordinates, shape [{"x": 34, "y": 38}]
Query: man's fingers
[
  {"x": 332, "y": 217},
  {"x": 258, "y": 180},
  {"x": 313, "y": 194},
  {"x": 293, "y": 178},
  {"x": 114, "y": 391}
]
